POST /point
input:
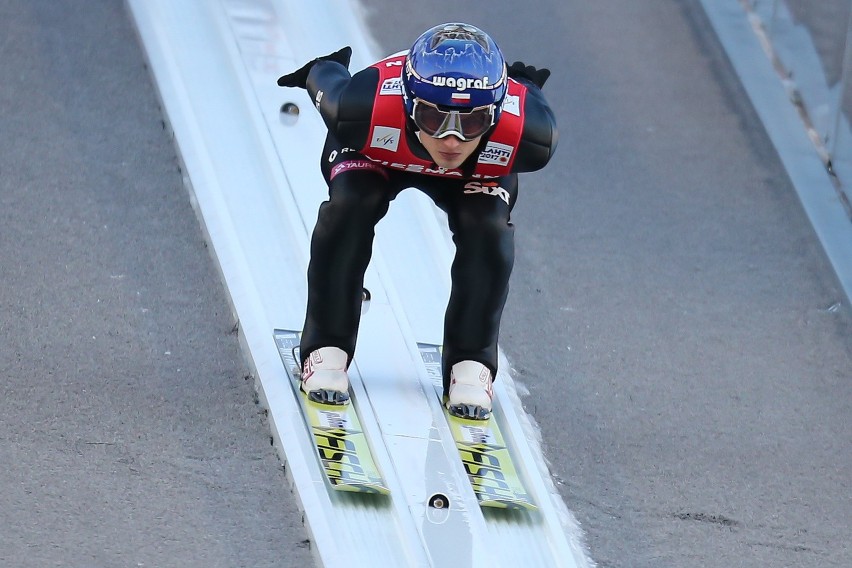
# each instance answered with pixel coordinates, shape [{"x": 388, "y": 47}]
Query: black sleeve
[
  {"x": 345, "y": 102},
  {"x": 540, "y": 136}
]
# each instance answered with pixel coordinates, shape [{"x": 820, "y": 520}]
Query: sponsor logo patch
[
  {"x": 392, "y": 86},
  {"x": 512, "y": 104},
  {"x": 421, "y": 169},
  {"x": 460, "y": 83},
  {"x": 352, "y": 165},
  {"x": 489, "y": 188},
  {"x": 385, "y": 137},
  {"x": 496, "y": 153}
]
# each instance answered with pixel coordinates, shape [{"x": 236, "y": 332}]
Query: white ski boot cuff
[
  {"x": 470, "y": 393},
  {"x": 324, "y": 376}
]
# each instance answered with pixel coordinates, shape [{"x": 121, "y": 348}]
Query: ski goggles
[{"x": 439, "y": 123}]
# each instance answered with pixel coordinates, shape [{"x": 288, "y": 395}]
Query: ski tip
[
  {"x": 469, "y": 411},
  {"x": 332, "y": 397}
]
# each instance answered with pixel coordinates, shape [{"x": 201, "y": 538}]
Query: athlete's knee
[{"x": 482, "y": 225}]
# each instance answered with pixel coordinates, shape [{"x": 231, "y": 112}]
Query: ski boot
[
  {"x": 324, "y": 377},
  {"x": 470, "y": 391}
]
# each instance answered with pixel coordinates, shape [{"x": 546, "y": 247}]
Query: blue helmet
[{"x": 455, "y": 65}]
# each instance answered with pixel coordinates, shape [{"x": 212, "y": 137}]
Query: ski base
[
  {"x": 487, "y": 460},
  {"x": 339, "y": 439}
]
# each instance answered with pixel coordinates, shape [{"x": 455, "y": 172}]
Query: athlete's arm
[
  {"x": 344, "y": 101},
  {"x": 540, "y": 136}
]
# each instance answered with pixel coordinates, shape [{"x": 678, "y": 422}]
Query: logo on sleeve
[
  {"x": 496, "y": 153},
  {"x": 385, "y": 138}
]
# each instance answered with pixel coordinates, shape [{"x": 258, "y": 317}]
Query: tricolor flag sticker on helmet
[{"x": 460, "y": 96}]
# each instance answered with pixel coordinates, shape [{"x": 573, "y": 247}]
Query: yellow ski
[
  {"x": 486, "y": 458},
  {"x": 339, "y": 439}
]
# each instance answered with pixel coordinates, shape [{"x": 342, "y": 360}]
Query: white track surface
[{"x": 256, "y": 186}]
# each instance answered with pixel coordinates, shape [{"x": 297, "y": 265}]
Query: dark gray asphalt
[
  {"x": 672, "y": 312},
  {"x": 129, "y": 435}
]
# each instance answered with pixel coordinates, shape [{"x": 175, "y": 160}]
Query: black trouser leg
[
  {"x": 341, "y": 247},
  {"x": 485, "y": 253}
]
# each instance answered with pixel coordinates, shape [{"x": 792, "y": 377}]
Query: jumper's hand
[
  {"x": 299, "y": 78},
  {"x": 518, "y": 70}
]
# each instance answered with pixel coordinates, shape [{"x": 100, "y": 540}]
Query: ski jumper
[{"x": 371, "y": 154}]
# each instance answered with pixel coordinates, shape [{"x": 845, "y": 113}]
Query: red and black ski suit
[{"x": 370, "y": 155}]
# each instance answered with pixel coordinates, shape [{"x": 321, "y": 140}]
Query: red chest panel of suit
[{"x": 387, "y": 143}]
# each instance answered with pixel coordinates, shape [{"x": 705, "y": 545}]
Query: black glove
[
  {"x": 518, "y": 70},
  {"x": 299, "y": 78}
]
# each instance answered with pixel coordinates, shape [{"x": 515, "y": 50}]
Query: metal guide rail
[{"x": 249, "y": 156}]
